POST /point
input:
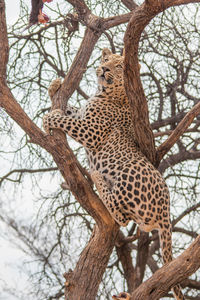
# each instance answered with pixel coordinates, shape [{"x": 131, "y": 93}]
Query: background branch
[{"x": 177, "y": 133}]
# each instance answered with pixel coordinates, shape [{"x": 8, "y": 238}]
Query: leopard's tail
[{"x": 165, "y": 236}]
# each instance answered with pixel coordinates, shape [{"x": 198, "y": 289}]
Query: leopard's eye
[
  {"x": 119, "y": 66},
  {"x": 106, "y": 59}
]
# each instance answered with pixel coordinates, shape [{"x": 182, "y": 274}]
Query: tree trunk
[{"x": 83, "y": 282}]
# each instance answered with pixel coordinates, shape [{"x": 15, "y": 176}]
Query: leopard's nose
[{"x": 105, "y": 69}]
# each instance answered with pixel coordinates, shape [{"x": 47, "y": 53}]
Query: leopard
[{"x": 130, "y": 187}]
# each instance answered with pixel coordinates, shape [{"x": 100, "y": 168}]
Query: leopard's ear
[{"x": 105, "y": 53}]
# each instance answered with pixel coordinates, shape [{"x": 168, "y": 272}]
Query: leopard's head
[{"x": 110, "y": 71}]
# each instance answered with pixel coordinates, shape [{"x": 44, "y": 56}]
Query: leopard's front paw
[
  {"x": 48, "y": 120},
  {"x": 56, "y": 112},
  {"x": 54, "y": 87},
  {"x": 46, "y": 123}
]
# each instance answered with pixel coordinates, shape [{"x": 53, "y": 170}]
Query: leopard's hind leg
[{"x": 109, "y": 198}]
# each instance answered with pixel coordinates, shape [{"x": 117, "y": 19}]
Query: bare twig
[
  {"x": 185, "y": 212},
  {"x": 21, "y": 171}
]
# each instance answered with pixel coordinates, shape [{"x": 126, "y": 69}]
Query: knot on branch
[
  {"x": 156, "y": 5},
  {"x": 69, "y": 284},
  {"x": 95, "y": 23},
  {"x": 72, "y": 23}
]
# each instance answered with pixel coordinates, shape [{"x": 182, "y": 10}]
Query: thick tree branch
[
  {"x": 116, "y": 20},
  {"x": 143, "y": 132},
  {"x": 170, "y": 274},
  {"x": 93, "y": 260},
  {"x": 4, "y": 48},
  {"x": 193, "y": 284},
  {"x": 170, "y": 3},
  {"x": 142, "y": 257}
]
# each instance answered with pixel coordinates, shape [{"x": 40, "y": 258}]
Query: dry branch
[{"x": 22, "y": 171}]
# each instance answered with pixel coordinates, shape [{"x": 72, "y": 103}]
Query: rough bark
[{"x": 130, "y": 4}]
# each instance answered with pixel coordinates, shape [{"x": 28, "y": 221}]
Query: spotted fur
[{"x": 128, "y": 184}]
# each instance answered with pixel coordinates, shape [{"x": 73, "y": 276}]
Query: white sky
[{"x": 12, "y": 10}]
